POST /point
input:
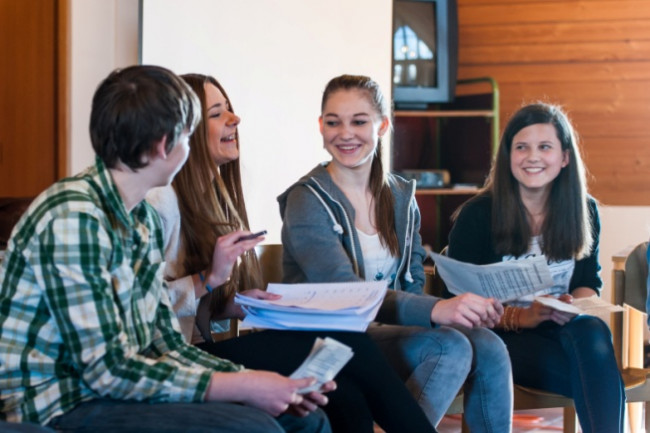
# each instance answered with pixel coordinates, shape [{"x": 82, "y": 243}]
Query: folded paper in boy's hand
[{"x": 326, "y": 359}]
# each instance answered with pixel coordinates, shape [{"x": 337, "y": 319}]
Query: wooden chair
[
  {"x": 11, "y": 209},
  {"x": 270, "y": 258},
  {"x": 629, "y": 277}
]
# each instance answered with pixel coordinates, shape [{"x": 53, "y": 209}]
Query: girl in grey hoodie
[{"x": 349, "y": 221}]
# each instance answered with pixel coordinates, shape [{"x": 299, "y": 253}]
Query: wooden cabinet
[
  {"x": 32, "y": 95},
  {"x": 459, "y": 137}
]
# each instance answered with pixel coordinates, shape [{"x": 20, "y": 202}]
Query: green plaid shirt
[{"x": 84, "y": 312}]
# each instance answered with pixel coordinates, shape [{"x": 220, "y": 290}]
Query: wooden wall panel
[
  {"x": 590, "y": 56},
  {"x": 28, "y": 96}
]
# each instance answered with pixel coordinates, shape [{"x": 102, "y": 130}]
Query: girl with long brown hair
[
  {"x": 204, "y": 216},
  {"x": 535, "y": 203}
]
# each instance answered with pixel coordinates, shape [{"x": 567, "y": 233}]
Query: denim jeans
[
  {"x": 436, "y": 363},
  {"x": 576, "y": 360},
  {"x": 114, "y": 416}
]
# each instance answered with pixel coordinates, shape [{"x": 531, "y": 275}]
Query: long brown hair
[
  {"x": 567, "y": 228},
  {"x": 378, "y": 183},
  {"x": 212, "y": 204}
]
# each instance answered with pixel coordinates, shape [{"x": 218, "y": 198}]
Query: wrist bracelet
[{"x": 207, "y": 286}]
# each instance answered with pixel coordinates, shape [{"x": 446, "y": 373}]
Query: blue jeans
[
  {"x": 436, "y": 363},
  {"x": 576, "y": 360},
  {"x": 115, "y": 416}
]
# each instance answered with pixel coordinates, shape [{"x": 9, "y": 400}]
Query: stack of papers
[{"x": 319, "y": 306}]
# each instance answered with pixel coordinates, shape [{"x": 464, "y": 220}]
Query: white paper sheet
[
  {"x": 593, "y": 305},
  {"x": 504, "y": 281},
  {"x": 556, "y": 304}
]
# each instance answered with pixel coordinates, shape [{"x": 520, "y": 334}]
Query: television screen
[
  {"x": 425, "y": 45},
  {"x": 415, "y": 54}
]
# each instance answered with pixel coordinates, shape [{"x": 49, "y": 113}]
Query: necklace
[{"x": 384, "y": 265}]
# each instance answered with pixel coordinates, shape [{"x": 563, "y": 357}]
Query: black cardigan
[{"x": 470, "y": 240}]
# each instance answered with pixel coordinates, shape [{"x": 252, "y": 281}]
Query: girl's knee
[
  {"x": 589, "y": 333},
  {"x": 451, "y": 343},
  {"x": 585, "y": 326},
  {"x": 489, "y": 349}
]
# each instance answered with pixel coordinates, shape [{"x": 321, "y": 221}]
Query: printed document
[
  {"x": 593, "y": 305},
  {"x": 318, "y": 306},
  {"x": 326, "y": 359},
  {"x": 504, "y": 281}
]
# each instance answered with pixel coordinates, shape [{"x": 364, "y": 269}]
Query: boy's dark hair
[{"x": 135, "y": 107}]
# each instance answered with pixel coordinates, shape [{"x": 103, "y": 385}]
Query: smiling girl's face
[
  {"x": 222, "y": 126},
  {"x": 351, "y": 127},
  {"x": 536, "y": 157}
]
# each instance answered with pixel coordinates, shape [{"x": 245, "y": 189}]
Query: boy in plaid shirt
[{"x": 88, "y": 339}]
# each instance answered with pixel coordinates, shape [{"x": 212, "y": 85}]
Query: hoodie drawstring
[{"x": 336, "y": 227}]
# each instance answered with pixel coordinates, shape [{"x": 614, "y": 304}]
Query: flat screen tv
[{"x": 425, "y": 52}]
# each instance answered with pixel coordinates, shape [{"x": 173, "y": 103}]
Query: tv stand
[
  {"x": 410, "y": 106},
  {"x": 460, "y": 137}
]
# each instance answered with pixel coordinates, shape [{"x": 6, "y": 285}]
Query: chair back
[
  {"x": 636, "y": 277},
  {"x": 630, "y": 276},
  {"x": 270, "y": 258},
  {"x": 11, "y": 209},
  {"x": 434, "y": 284}
]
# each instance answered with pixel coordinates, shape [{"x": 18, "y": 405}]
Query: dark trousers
[
  {"x": 115, "y": 416},
  {"x": 575, "y": 360},
  {"x": 368, "y": 388},
  {"x": 10, "y": 427}
]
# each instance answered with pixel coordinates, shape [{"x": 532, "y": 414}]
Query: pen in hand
[{"x": 251, "y": 236}]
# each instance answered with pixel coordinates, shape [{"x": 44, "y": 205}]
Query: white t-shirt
[
  {"x": 560, "y": 271},
  {"x": 378, "y": 263}
]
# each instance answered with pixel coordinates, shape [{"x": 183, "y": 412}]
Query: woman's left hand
[
  {"x": 562, "y": 317},
  {"x": 234, "y": 310}
]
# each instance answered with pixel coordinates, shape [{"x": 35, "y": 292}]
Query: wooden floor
[{"x": 530, "y": 421}]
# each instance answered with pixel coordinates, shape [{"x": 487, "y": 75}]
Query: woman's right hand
[
  {"x": 226, "y": 252},
  {"x": 468, "y": 310}
]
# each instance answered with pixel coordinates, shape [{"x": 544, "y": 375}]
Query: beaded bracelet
[
  {"x": 506, "y": 318},
  {"x": 207, "y": 286},
  {"x": 510, "y": 319}
]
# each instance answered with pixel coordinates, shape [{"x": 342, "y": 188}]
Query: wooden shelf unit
[{"x": 461, "y": 137}]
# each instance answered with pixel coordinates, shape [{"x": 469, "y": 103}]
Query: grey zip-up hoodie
[{"x": 320, "y": 243}]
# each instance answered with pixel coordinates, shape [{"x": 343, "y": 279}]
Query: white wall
[
  {"x": 278, "y": 98},
  {"x": 274, "y": 59},
  {"x": 103, "y": 36},
  {"x": 621, "y": 226}
]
